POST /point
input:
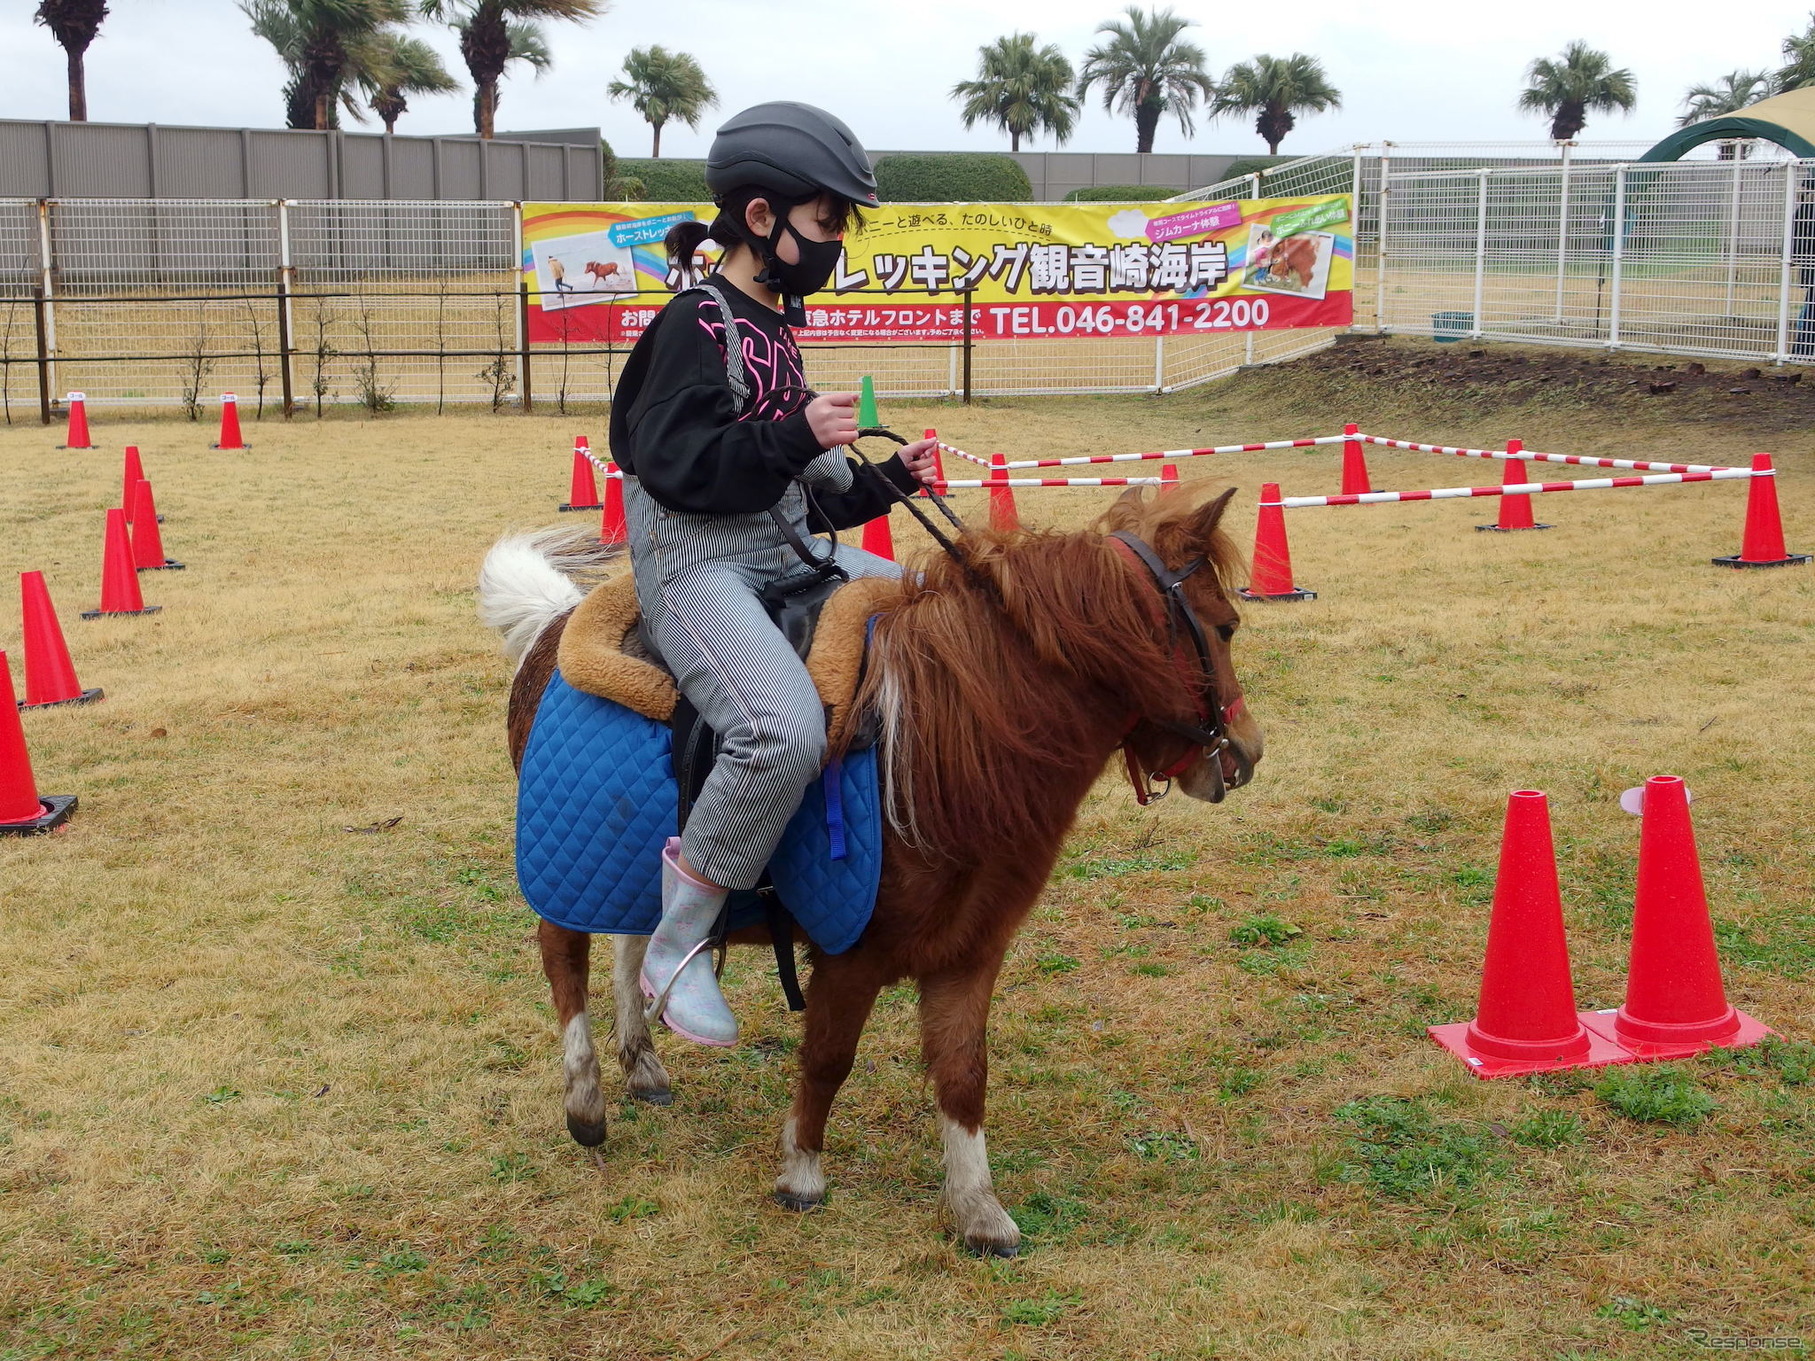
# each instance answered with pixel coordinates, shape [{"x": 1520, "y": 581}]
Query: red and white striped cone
[
  {"x": 119, "y": 580},
  {"x": 1354, "y": 465},
  {"x": 613, "y": 528},
  {"x": 582, "y": 487},
  {"x": 1515, "y": 511},
  {"x": 77, "y": 438},
  {"x": 23, "y": 811},
  {"x": 1003, "y": 517},
  {"x": 1763, "y": 543},
  {"x": 1271, "y": 578},
  {"x": 50, "y": 675},
  {"x": 147, "y": 538},
  {"x": 878, "y": 538},
  {"x": 230, "y": 436}
]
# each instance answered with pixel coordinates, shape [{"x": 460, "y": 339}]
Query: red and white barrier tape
[
  {"x": 1150, "y": 456},
  {"x": 1054, "y": 482},
  {"x": 1520, "y": 488},
  {"x": 945, "y": 448},
  {"x": 1581, "y": 460}
]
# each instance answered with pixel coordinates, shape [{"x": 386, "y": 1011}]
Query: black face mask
[{"x": 796, "y": 281}]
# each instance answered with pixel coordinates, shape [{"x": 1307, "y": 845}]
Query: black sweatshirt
[{"x": 675, "y": 427}]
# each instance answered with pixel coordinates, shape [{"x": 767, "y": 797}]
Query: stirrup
[{"x": 653, "y": 1012}]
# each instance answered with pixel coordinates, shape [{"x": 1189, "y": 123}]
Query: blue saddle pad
[{"x": 596, "y": 800}]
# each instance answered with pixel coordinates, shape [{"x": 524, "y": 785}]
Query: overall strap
[{"x": 734, "y": 347}]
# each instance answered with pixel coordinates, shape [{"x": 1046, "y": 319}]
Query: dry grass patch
[{"x": 271, "y": 1086}]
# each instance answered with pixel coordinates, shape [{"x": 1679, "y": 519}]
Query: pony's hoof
[
  {"x": 660, "y": 1097},
  {"x": 799, "y": 1204},
  {"x": 991, "y": 1247},
  {"x": 586, "y": 1133}
]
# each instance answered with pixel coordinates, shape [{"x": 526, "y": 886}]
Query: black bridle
[{"x": 1211, "y": 731}]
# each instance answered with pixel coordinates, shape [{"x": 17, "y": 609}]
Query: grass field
[{"x": 278, "y": 1074}]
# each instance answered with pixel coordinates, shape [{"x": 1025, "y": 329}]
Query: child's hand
[
  {"x": 919, "y": 460},
  {"x": 833, "y": 419}
]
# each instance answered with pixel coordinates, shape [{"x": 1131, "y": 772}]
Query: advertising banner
[{"x": 598, "y": 272}]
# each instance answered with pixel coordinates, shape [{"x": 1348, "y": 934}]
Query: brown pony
[{"x": 1004, "y": 683}]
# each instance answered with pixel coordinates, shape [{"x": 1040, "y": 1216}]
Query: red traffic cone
[
  {"x": 1763, "y": 543},
  {"x": 582, "y": 488},
  {"x": 77, "y": 438},
  {"x": 1168, "y": 477},
  {"x": 22, "y": 811},
  {"x": 1526, "y": 1019},
  {"x": 879, "y": 539},
  {"x": 50, "y": 676},
  {"x": 612, "y": 526},
  {"x": 938, "y": 488},
  {"x": 1354, "y": 466},
  {"x": 147, "y": 538},
  {"x": 230, "y": 424},
  {"x": 119, "y": 582},
  {"x": 1272, "y": 575},
  {"x": 1675, "y": 1004},
  {"x": 133, "y": 472},
  {"x": 1515, "y": 511},
  {"x": 1003, "y": 517}
]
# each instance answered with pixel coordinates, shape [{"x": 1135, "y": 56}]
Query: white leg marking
[
  {"x": 643, "y": 1071},
  {"x": 969, "y": 1196},
  {"x": 801, "y": 1179},
  {"x": 580, "y": 1064}
]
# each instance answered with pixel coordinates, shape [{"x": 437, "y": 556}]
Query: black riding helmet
[{"x": 794, "y": 150}]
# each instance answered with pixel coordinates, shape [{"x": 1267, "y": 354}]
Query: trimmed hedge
[
  {"x": 667, "y": 181},
  {"x": 957, "y": 177},
  {"x": 1121, "y": 193},
  {"x": 1253, "y": 165}
]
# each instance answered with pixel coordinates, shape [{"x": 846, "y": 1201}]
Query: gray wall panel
[{"x": 25, "y": 160}]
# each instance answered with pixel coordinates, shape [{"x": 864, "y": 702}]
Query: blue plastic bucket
[{"x": 1449, "y": 327}]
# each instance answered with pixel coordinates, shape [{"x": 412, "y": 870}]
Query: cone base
[
  {"x": 116, "y": 614},
  {"x": 1294, "y": 594},
  {"x": 78, "y": 446},
  {"x": 1511, "y": 529},
  {"x": 1653, "y": 1041},
  {"x": 86, "y": 697},
  {"x": 57, "y": 808},
  {"x": 230, "y": 448},
  {"x": 1793, "y": 560},
  {"x": 1599, "y": 1053},
  {"x": 167, "y": 565},
  {"x": 597, "y": 506}
]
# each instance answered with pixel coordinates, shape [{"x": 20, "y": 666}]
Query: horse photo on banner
[{"x": 1031, "y": 269}]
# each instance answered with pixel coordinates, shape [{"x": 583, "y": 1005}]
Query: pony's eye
[{"x": 1225, "y": 631}]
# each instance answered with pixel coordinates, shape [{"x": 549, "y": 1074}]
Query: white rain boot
[{"x": 677, "y": 973}]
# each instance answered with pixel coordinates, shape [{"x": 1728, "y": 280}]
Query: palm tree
[
  {"x": 494, "y": 33},
  {"x": 1567, "y": 91},
  {"x": 1798, "y": 69},
  {"x": 1021, "y": 89},
  {"x": 325, "y": 44},
  {"x": 1145, "y": 70},
  {"x": 1275, "y": 89},
  {"x": 1731, "y": 93},
  {"x": 73, "y": 23},
  {"x": 664, "y": 86},
  {"x": 394, "y": 67}
]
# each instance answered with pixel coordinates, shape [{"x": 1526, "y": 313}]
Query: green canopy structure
[{"x": 1786, "y": 119}]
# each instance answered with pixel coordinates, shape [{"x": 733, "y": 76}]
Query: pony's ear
[
  {"x": 1207, "y": 517},
  {"x": 1127, "y": 511}
]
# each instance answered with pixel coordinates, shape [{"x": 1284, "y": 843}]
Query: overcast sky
[{"x": 1409, "y": 70}]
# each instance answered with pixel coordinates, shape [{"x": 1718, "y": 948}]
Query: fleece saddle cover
[{"x": 596, "y": 801}]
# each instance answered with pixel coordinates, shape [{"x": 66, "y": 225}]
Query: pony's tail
[{"x": 528, "y": 579}]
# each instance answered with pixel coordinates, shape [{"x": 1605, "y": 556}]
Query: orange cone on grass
[
  {"x": 230, "y": 437},
  {"x": 1763, "y": 544},
  {"x": 133, "y": 472},
  {"x": 147, "y": 538},
  {"x": 1003, "y": 516},
  {"x": 77, "y": 438},
  {"x": 1676, "y": 1005},
  {"x": 1526, "y": 1019},
  {"x": 613, "y": 528},
  {"x": 23, "y": 811},
  {"x": 1515, "y": 511},
  {"x": 582, "y": 487},
  {"x": 878, "y": 538},
  {"x": 1354, "y": 466},
  {"x": 119, "y": 580},
  {"x": 1271, "y": 578},
  {"x": 50, "y": 675}
]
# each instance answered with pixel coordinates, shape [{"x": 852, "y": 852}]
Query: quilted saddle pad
[{"x": 596, "y": 801}]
